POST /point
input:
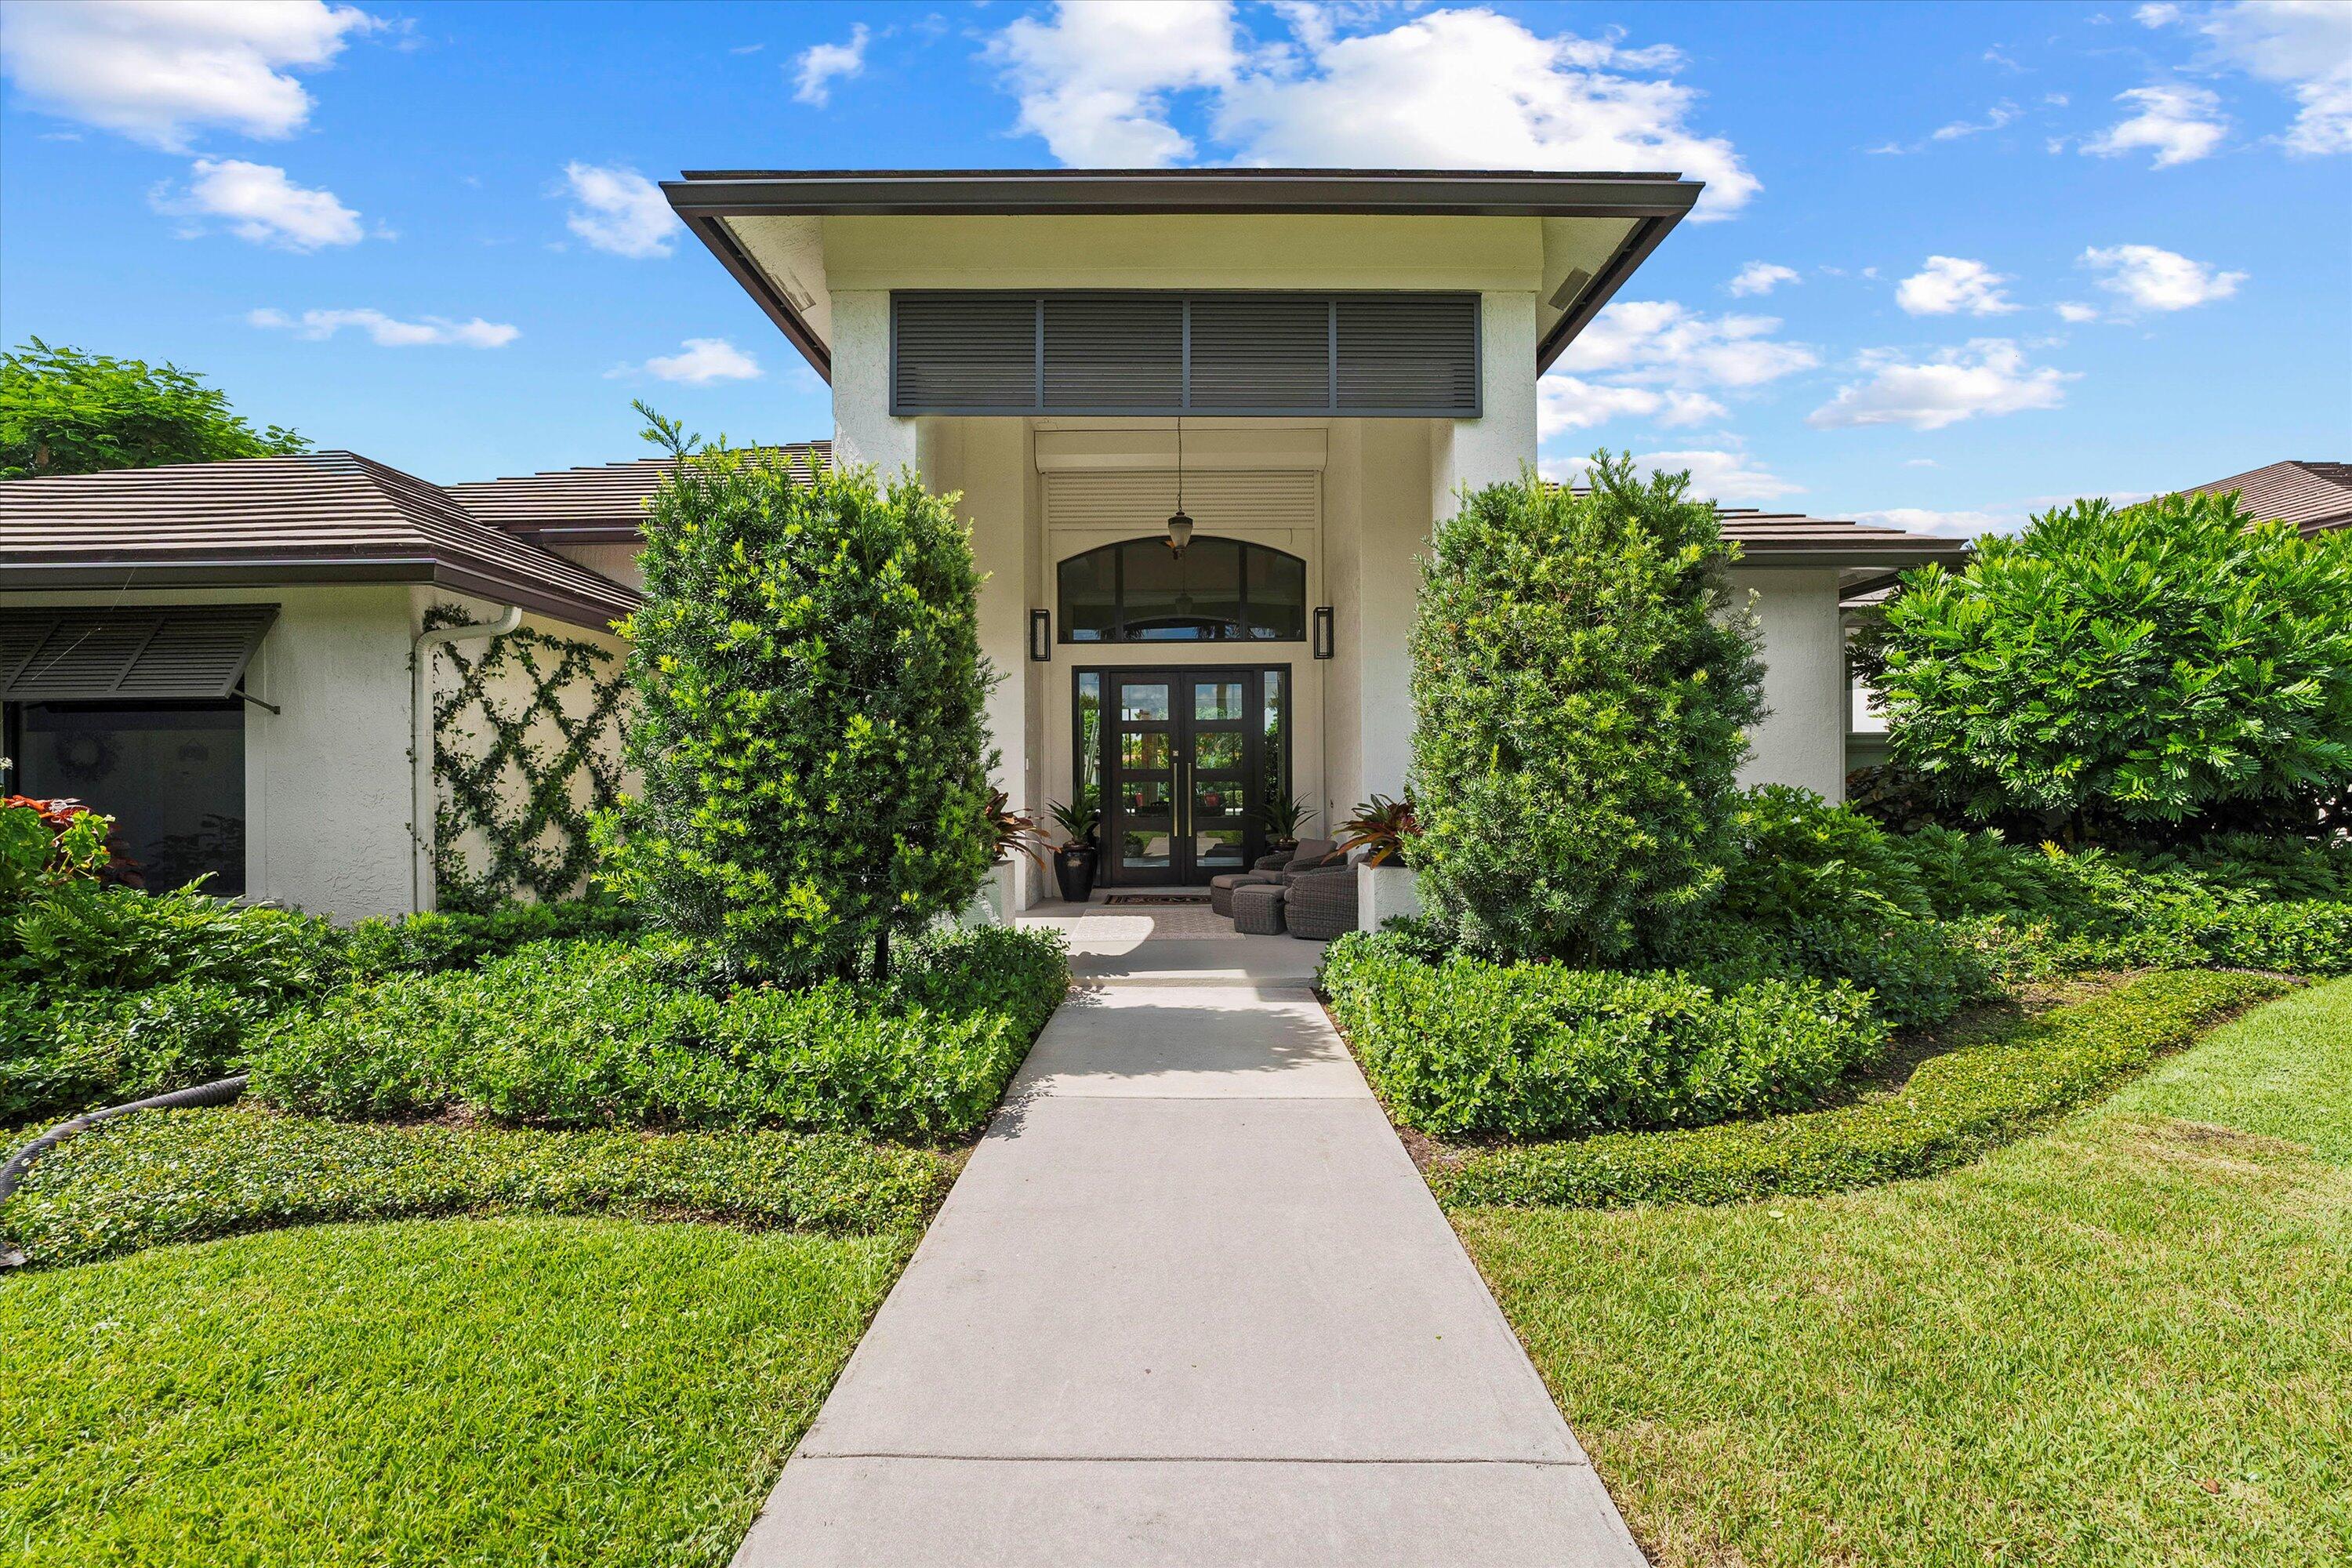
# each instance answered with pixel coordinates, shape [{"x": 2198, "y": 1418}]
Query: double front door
[{"x": 1185, "y": 761}]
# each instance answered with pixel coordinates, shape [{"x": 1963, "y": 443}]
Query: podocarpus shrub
[
  {"x": 2151, "y": 663},
  {"x": 1954, "y": 1108},
  {"x": 611, "y": 1034},
  {"x": 1465, "y": 1048},
  {"x": 1583, "y": 686},
  {"x": 809, "y": 722}
]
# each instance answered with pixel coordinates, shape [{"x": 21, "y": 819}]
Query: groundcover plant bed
[
  {"x": 2119, "y": 1342},
  {"x": 553, "y": 1391},
  {"x": 622, "y": 1033},
  {"x": 1952, "y": 1109},
  {"x": 158, "y": 1177}
]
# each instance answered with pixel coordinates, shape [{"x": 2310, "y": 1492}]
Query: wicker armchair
[
  {"x": 1268, "y": 868},
  {"x": 1322, "y": 904}
]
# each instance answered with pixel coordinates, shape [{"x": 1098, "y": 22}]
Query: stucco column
[
  {"x": 1492, "y": 448},
  {"x": 862, "y": 428},
  {"x": 1802, "y": 741}
]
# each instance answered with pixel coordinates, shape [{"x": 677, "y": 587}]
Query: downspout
[{"x": 420, "y": 731}]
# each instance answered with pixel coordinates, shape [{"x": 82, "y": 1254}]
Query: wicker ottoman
[
  {"x": 1322, "y": 904},
  {"x": 1257, "y": 909},
  {"x": 1221, "y": 889}
]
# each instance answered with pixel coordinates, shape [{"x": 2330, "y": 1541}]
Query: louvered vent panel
[
  {"x": 964, "y": 352},
  {"x": 1262, "y": 351},
  {"x": 153, "y": 655},
  {"x": 21, "y": 632},
  {"x": 1218, "y": 501},
  {"x": 1114, "y": 352},
  {"x": 1409, "y": 352}
]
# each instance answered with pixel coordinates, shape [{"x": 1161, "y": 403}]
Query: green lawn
[
  {"x": 493, "y": 1391},
  {"x": 2128, "y": 1341}
]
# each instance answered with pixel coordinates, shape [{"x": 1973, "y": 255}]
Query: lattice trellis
[{"x": 525, "y": 746}]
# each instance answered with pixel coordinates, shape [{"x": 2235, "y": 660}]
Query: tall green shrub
[
  {"x": 1583, "y": 688},
  {"x": 810, "y": 686},
  {"x": 2156, "y": 663}
]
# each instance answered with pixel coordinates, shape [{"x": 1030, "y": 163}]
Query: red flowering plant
[{"x": 46, "y": 841}]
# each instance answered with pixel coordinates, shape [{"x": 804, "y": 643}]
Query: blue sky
[{"x": 1955, "y": 261}]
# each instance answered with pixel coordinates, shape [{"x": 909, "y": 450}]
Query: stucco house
[{"x": 1304, "y": 366}]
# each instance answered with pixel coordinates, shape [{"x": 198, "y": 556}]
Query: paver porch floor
[{"x": 1189, "y": 1303}]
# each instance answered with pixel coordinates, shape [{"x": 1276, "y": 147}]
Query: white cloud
[
  {"x": 1727, "y": 479},
  {"x": 1454, "y": 88},
  {"x": 1988, "y": 376},
  {"x": 1566, "y": 403},
  {"x": 1662, "y": 342},
  {"x": 156, "y": 70},
  {"x": 2157, "y": 279},
  {"x": 698, "y": 362},
  {"x": 2304, "y": 46},
  {"x": 260, "y": 204},
  {"x": 1920, "y": 520},
  {"x": 1998, "y": 115},
  {"x": 389, "y": 331},
  {"x": 820, "y": 63},
  {"x": 2180, "y": 124},
  {"x": 1761, "y": 277},
  {"x": 1921, "y": 463},
  {"x": 2074, "y": 310},
  {"x": 619, "y": 210},
  {"x": 1093, "y": 80},
  {"x": 1949, "y": 284}
]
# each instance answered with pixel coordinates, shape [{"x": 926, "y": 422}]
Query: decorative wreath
[{"x": 86, "y": 756}]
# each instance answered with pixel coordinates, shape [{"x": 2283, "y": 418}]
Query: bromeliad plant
[
  {"x": 1380, "y": 827},
  {"x": 1282, "y": 818},
  {"x": 1013, "y": 832},
  {"x": 1079, "y": 821}
]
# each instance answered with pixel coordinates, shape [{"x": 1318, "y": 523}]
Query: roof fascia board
[
  {"x": 1633, "y": 250},
  {"x": 710, "y": 227},
  {"x": 304, "y": 570}
]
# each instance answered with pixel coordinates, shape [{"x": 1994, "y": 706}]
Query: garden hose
[{"x": 220, "y": 1091}]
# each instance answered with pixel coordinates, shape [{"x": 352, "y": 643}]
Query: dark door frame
[{"x": 1181, "y": 824}]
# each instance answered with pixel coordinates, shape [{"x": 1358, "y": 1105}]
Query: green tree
[
  {"x": 810, "y": 721},
  {"x": 2151, "y": 663},
  {"x": 63, "y": 411},
  {"x": 1582, "y": 687}
]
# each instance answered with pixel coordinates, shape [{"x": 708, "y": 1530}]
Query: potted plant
[
  {"x": 1282, "y": 820},
  {"x": 1384, "y": 883},
  {"x": 1074, "y": 861},
  {"x": 1015, "y": 833}
]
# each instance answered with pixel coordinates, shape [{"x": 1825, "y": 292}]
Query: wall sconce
[
  {"x": 1041, "y": 636},
  {"x": 1322, "y": 631}
]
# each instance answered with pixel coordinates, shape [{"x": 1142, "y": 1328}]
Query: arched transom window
[{"x": 1215, "y": 590}]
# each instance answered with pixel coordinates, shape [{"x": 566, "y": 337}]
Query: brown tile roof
[
  {"x": 1793, "y": 538},
  {"x": 323, "y": 517},
  {"x": 2315, "y": 496},
  {"x": 596, "y": 504}
]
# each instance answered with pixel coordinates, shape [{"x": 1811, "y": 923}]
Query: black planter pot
[{"x": 1074, "y": 867}]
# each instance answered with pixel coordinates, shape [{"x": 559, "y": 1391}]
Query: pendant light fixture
[{"x": 1180, "y": 527}]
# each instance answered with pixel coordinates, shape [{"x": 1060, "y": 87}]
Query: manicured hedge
[
  {"x": 158, "y": 1177},
  {"x": 2310, "y": 936},
  {"x": 431, "y": 943},
  {"x": 1954, "y": 1108},
  {"x": 1462, "y": 1046},
  {"x": 613, "y": 1034}
]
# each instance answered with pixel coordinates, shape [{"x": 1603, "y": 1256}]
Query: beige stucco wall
[
  {"x": 1802, "y": 738},
  {"x": 326, "y": 779}
]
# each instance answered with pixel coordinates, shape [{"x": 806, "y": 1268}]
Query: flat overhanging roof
[{"x": 1647, "y": 205}]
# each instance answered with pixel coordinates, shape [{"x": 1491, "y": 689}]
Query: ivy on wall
[{"x": 525, "y": 746}]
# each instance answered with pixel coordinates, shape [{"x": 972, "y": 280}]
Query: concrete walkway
[{"x": 1189, "y": 1304}]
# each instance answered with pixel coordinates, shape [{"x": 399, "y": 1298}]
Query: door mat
[{"x": 1180, "y": 900}]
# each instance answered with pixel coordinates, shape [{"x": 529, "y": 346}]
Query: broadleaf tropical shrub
[
  {"x": 1583, "y": 686},
  {"x": 588, "y": 1033},
  {"x": 1466, "y": 1048},
  {"x": 810, "y": 725},
  {"x": 2155, "y": 663},
  {"x": 1955, "y": 1107},
  {"x": 62, "y": 1052}
]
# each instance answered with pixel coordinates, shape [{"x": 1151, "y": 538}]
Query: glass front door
[{"x": 1185, "y": 759}]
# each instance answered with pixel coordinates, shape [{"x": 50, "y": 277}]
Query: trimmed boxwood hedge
[
  {"x": 1462, "y": 1046},
  {"x": 1954, "y": 1108},
  {"x": 158, "y": 1177},
  {"x": 617, "y": 1034}
]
